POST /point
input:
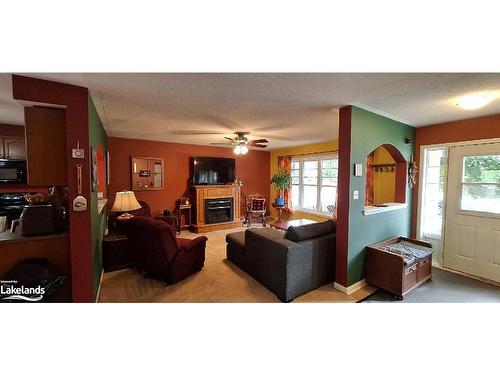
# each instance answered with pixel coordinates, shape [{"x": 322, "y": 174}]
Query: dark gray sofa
[{"x": 288, "y": 265}]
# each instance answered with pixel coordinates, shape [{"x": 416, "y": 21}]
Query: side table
[
  {"x": 187, "y": 217},
  {"x": 116, "y": 252},
  {"x": 279, "y": 209}
]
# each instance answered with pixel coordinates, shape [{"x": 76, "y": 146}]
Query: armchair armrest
[{"x": 188, "y": 245}]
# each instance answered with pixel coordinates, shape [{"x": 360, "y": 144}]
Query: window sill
[
  {"x": 313, "y": 213},
  {"x": 372, "y": 210}
]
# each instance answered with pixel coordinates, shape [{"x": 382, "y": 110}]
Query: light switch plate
[
  {"x": 355, "y": 194},
  {"x": 358, "y": 170}
]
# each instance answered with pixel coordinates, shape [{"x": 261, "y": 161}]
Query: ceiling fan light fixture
[
  {"x": 244, "y": 150},
  {"x": 237, "y": 150}
]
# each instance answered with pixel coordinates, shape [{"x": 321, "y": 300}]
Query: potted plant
[{"x": 281, "y": 181}]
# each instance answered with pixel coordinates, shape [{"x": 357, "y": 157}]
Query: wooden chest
[{"x": 388, "y": 271}]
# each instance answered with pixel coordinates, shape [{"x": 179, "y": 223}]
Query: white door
[{"x": 472, "y": 229}]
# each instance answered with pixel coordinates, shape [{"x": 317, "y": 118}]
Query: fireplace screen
[{"x": 218, "y": 210}]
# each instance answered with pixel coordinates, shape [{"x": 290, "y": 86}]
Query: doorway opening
[{"x": 459, "y": 207}]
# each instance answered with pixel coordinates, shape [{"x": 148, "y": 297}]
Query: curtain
[
  {"x": 369, "y": 199},
  {"x": 285, "y": 163}
]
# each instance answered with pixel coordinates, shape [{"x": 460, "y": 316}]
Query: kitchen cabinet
[
  {"x": 46, "y": 146},
  {"x": 12, "y": 148}
]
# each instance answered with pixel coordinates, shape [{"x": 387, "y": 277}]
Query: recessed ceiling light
[{"x": 476, "y": 100}]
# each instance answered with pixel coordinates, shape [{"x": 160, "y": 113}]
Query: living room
[
  {"x": 232, "y": 187},
  {"x": 301, "y": 183}
]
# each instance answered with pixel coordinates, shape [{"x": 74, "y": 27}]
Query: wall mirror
[{"x": 147, "y": 173}]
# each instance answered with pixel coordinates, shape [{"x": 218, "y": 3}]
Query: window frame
[
  {"x": 423, "y": 191},
  {"x": 478, "y": 213},
  {"x": 318, "y": 158}
]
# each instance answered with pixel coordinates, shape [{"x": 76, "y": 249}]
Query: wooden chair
[{"x": 255, "y": 209}]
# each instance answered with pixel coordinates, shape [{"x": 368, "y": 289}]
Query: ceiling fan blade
[
  {"x": 258, "y": 145},
  {"x": 222, "y": 143},
  {"x": 263, "y": 140},
  {"x": 231, "y": 139},
  {"x": 193, "y": 132}
]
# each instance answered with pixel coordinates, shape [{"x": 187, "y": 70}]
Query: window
[
  {"x": 481, "y": 184},
  {"x": 434, "y": 172},
  {"x": 314, "y": 184}
]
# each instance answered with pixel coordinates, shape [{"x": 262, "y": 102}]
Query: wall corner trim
[
  {"x": 350, "y": 289},
  {"x": 98, "y": 294}
]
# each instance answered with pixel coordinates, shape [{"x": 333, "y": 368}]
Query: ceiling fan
[{"x": 241, "y": 143}]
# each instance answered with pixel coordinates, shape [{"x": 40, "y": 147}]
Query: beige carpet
[{"x": 218, "y": 281}]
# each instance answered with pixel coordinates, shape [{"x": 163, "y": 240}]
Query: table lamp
[{"x": 125, "y": 201}]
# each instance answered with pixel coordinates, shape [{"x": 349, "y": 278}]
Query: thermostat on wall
[{"x": 358, "y": 170}]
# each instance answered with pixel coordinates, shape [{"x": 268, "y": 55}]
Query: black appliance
[
  {"x": 12, "y": 205},
  {"x": 12, "y": 172},
  {"x": 218, "y": 210},
  {"x": 212, "y": 171},
  {"x": 40, "y": 219}
]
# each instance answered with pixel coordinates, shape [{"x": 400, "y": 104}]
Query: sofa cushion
[
  {"x": 308, "y": 231},
  {"x": 236, "y": 239}
]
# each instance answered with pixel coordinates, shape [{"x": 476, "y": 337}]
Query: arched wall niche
[{"x": 386, "y": 172}]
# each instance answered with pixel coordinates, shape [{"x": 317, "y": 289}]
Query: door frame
[{"x": 446, "y": 145}]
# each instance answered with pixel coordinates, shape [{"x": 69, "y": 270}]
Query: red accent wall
[
  {"x": 344, "y": 173},
  {"x": 472, "y": 129},
  {"x": 75, "y": 99},
  {"x": 252, "y": 168}
]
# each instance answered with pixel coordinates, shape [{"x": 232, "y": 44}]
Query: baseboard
[
  {"x": 99, "y": 287},
  {"x": 350, "y": 289}
]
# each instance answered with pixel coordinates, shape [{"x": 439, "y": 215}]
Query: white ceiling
[{"x": 286, "y": 108}]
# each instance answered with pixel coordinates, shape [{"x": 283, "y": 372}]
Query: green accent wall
[
  {"x": 97, "y": 136},
  {"x": 368, "y": 131}
]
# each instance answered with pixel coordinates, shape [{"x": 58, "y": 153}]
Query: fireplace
[{"x": 218, "y": 210}]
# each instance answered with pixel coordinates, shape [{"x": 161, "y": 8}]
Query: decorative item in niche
[{"x": 385, "y": 168}]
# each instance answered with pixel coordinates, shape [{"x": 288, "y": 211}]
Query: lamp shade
[{"x": 125, "y": 201}]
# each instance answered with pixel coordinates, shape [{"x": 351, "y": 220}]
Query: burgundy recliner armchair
[{"x": 157, "y": 252}]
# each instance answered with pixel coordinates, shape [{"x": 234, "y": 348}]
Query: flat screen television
[{"x": 212, "y": 171}]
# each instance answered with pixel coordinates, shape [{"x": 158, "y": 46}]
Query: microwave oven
[{"x": 12, "y": 172}]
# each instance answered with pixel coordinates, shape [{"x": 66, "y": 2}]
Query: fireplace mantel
[{"x": 202, "y": 192}]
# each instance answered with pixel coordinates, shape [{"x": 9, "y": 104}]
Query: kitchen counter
[
  {"x": 15, "y": 248},
  {"x": 7, "y": 237}
]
